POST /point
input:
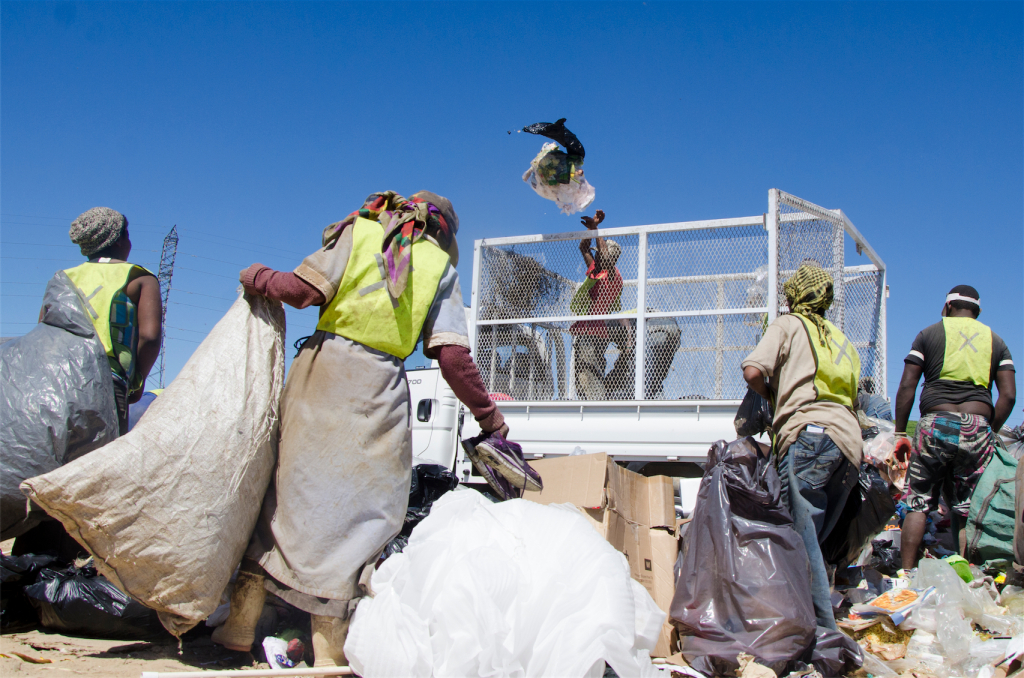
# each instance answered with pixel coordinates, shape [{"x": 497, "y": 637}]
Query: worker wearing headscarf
[
  {"x": 384, "y": 279},
  {"x": 809, "y": 370}
]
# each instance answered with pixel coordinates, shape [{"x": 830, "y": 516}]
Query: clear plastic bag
[{"x": 555, "y": 176}]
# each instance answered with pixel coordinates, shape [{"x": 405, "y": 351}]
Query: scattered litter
[
  {"x": 749, "y": 668},
  {"x": 32, "y": 660},
  {"x": 283, "y": 654}
]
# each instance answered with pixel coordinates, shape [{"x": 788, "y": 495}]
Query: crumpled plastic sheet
[
  {"x": 56, "y": 400},
  {"x": 553, "y": 175},
  {"x": 504, "y": 589}
]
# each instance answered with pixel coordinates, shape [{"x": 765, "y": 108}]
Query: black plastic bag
[
  {"x": 429, "y": 482},
  {"x": 868, "y": 508},
  {"x": 885, "y": 558},
  {"x": 557, "y": 132},
  {"x": 835, "y": 653},
  {"x": 754, "y": 415},
  {"x": 743, "y": 585},
  {"x": 79, "y": 601},
  {"x": 17, "y": 572}
]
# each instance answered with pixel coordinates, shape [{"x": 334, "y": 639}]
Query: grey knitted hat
[{"x": 98, "y": 228}]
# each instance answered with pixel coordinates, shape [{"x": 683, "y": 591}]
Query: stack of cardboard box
[{"x": 634, "y": 513}]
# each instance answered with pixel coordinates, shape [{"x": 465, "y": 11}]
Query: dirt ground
[{"x": 70, "y": 656}]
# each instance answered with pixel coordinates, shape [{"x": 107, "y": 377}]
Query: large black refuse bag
[
  {"x": 868, "y": 508},
  {"x": 56, "y": 400},
  {"x": 429, "y": 482},
  {"x": 79, "y": 601},
  {"x": 754, "y": 415},
  {"x": 557, "y": 132},
  {"x": 17, "y": 572},
  {"x": 744, "y": 584}
]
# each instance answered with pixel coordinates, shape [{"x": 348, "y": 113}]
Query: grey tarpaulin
[{"x": 56, "y": 400}]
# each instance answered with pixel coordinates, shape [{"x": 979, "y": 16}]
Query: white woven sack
[{"x": 167, "y": 510}]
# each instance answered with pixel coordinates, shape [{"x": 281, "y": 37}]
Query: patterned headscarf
[
  {"x": 405, "y": 221},
  {"x": 809, "y": 293}
]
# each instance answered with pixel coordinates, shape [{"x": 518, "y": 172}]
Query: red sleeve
[
  {"x": 605, "y": 293},
  {"x": 461, "y": 373},
  {"x": 286, "y": 287}
]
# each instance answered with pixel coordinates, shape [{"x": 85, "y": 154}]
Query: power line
[{"x": 196, "y": 270}]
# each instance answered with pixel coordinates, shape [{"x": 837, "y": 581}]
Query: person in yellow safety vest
[
  {"x": 809, "y": 370},
  {"x": 121, "y": 299},
  {"x": 960, "y": 358},
  {"x": 384, "y": 280}
]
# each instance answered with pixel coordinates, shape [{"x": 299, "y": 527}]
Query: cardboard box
[{"x": 634, "y": 513}]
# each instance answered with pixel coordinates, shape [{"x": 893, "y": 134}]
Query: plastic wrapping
[
  {"x": 17, "y": 572},
  {"x": 79, "y": 601},
  {"x": 742, "y": 585},
  {"x": 553, "y": 175},
  {"x": 504, "y": 589},
  {"x": 868, "y": 508},
  {"x": 56, "y": 400},
  {"x": 167, "y": 510},
  {"x": 754, "y": 415}
]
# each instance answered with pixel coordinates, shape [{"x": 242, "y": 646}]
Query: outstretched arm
[
  {"x": 592, "y": 223},
  {"x": 461, "y": 373},
  {"x": 286, "y": 287}
]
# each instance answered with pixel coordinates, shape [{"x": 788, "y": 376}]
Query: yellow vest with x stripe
[
  {"x": 836, "y": 366},
  {"x": 102, "y": 289},
  {"x": 968, "y": 355}
]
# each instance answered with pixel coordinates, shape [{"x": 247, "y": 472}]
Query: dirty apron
[{"x": 344, "y": 463}]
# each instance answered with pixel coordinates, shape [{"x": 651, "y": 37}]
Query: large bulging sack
[
  {"x": 56, "y": 400},
  {"x": 167, "y": 510},
  {"x": 744, "y": 583}
]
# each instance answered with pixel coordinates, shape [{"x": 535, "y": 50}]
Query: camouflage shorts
[{"x": 951, "y": 451}]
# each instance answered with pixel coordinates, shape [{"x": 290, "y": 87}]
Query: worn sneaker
[
  {"x": 502, "y": 488},
  {"x": 506, "y": 457}
]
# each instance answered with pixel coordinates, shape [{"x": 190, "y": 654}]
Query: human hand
[{"x": 592, "y": 222}]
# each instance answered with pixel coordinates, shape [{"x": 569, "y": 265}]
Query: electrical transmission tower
[{"x": 164, "y": 277}]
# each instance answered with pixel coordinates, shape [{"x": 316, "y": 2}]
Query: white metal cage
[{"x": 695, "y": 299}]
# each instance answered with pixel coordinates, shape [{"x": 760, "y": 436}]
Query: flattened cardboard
[
  {"x": 646, "y": 501},
  {"x": 578, "y": 480}
]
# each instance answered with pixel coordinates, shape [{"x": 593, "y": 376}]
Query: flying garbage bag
[
  {"x": 556, "y": 174},
  {"x": 504, "y": 589}
]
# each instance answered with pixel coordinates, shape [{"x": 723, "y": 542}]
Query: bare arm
[
  {"x": 592, "y": 223},
  {"x": 149, "y": 309},
  {"x": 1007, "y": 398},
  {"x": 905, "y": 394},
  {"x": 755, "y": 380}
]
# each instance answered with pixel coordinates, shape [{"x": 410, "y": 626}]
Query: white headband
[{"x": 953, "y": 296}]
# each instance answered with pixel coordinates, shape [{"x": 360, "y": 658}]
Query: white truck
[{"x": 696, "y": 298}]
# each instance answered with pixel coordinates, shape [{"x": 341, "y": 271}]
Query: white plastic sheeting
[{"x": 511, "y": 589}]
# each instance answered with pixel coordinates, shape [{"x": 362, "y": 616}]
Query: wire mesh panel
[{"x": 683, "y": 303}]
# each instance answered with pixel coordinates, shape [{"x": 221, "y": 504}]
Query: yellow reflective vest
[
  {"x": 102, "y": 290},
  {"x": 968, "y": 354},
  {"x": 362, "y": 310},
  {"x": 837, "y": 366}
]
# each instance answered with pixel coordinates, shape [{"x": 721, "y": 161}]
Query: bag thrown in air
[
  {"x": 56, "y": 400},
  {"x": 167, "y": 510},
  {"x": 990, "y": 521}
]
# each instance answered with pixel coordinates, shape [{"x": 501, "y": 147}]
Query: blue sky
[{"x": 251, "y": 126}]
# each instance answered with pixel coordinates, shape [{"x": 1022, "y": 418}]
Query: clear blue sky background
[{"x": 251, "y": 126}]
